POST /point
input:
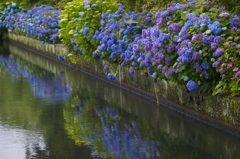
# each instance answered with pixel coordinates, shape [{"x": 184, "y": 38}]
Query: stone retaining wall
[{"x": 225, "y": 109}]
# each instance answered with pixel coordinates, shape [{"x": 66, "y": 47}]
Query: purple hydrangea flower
[
  {"x": 213, "y": 46},
  {"x": 192, "y": 1},
  {"x": 164, "y": 69},
  {"x": 196, "y": 55},
  {"x": 150, "y": 70},
  {"x": 171, "y": 71},
  {"x": 105, "y": 67},
  {"x": 219, "y": 51},
  {"x": 87, "y": 3},
  {"x": 217, "y": 39},
  {"x": 134, "y": 63},
  {"x": 207, "y": 39},
  {"x": 167, "y": 60},
  {"x": 160, "y": 66},
  {"x": 237, "y": 74},
  {"x": 196, "y": 37},
  {"x": 174, "y": 27},
  {"x": 171, "y": 48},
  {"x": 215, "y": 64},
  {"x": 131, "y": 70}
]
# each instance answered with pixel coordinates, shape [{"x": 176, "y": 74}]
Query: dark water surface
[{"x": 48, "y": 110}]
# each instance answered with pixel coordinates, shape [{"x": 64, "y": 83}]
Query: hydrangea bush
[
  {"x": 80, "y": 19},
  {"x": 196, "y": 44},
  {"x": 9, "y": 13},
  {"x": 40, "y": 22},
  {"x": 118, "y": 33}
]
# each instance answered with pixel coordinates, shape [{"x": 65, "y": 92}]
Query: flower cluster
[
  {"x": 194, "y": 43},
  {"x": 40, "y": 22},
  {"x": 80, "y": 19},
  {"x": 118, "y": 36},
  {"x": 9, "y": 14}
]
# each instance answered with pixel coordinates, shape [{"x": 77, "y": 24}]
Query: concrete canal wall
[{"x": 221, "y": 110}]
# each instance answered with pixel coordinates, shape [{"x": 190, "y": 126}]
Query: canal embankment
[{"x": 221, "y": 111}]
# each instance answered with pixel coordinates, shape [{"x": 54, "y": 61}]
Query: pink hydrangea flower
[
  {"x": 229, "y": 65},
  {"x": 87, "y": 3},
  {"x": 232, "y": 59},
  {"x": 220, "y": 70},
  {"x": 235, "y": 69}
]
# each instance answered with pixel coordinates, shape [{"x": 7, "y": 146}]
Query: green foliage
[
  {"x": 80, "y": 20},
  {"x": 231, "y": 5},
  {"x": 151, "y": 5},
  {"x": 62, "y": 3}
]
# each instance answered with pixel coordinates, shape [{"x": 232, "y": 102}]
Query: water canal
[{"x": 49, "y": 110}]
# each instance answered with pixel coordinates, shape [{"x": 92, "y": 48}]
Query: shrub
[
  {"x": 10, "y": 12},
  {"x": 80, "y": 19},
  {"x": 40, "y": 22},
  {"x": 196, "y": 44},
  {"x": 117, "y": 34}
]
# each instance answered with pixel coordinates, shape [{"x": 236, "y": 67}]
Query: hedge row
[{"x": 196, "y": 43}]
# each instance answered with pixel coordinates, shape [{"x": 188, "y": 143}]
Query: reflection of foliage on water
[
  {"x": 106, "y": 131},
  {"x": 111, "y": 132},
  {"x": 43, "y": 84}
]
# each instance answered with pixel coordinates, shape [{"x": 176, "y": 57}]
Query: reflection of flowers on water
[
  {"x": 53, "y": 90},
  {"x": 45, "y": 85},
  {"x": 121, "y": 140}
]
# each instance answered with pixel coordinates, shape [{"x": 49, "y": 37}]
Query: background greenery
[{"x": 133, "y": 5}]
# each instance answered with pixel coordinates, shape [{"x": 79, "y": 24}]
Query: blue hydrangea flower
[
  {"x": 60, "y": 57},
  {"x": 86, "y": 30},
  {"x": 113, "y": 55},
  {"x": 192, "y": 85},
  {"x": 184, "y": 59},
  {"x": 105, "y": 67},
  {"x": 205, "y": 65},
  {"x": 111, "y": 76},
  {"x": 215, "y": 28},
  {"x": 94, "y": 5}
]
